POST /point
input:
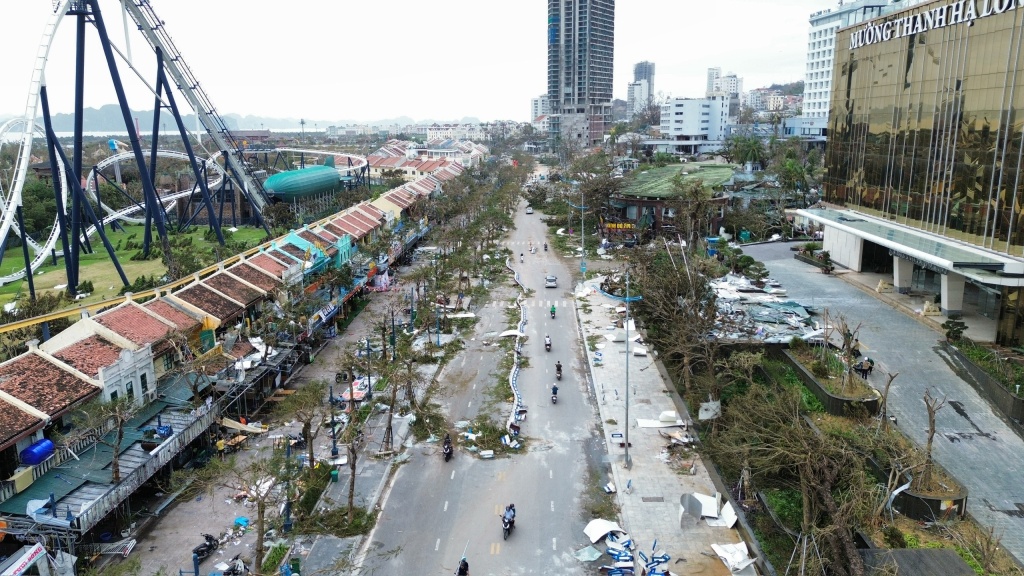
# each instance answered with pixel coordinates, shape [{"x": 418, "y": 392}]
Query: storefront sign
[
  {"x": 957, "y": 12},
  {"x": 26, "y": 561},
  {"x": 918, "y": 262}
]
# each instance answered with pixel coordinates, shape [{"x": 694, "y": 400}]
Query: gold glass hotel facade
[{"x": 925, "y": 155}]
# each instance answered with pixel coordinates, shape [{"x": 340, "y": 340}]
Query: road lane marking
[
  {"x": 554, "y": 543},
  {"x": 445, "y": 505},
  {"x": 453, "y": 475},
  {"x": 552, "y": 505},
  {"x": 551, "y": 473},
  {"x": 495, "y": 548},
  {"x": 471, "y": 403},
  {"x": 497, "y": 509},
  {"x": 437, "y": 545}
]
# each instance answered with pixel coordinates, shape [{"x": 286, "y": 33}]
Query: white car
[
  {"x": 550, "y": 282},
  {"x": 529, "y": 209}
]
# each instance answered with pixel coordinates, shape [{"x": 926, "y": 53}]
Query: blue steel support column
[
  {"x": 24, "y": 253},
  {"x": 76, "y": 162},
  {"x": 155, "y": 210},
  {"x": 200, "y": 175},
  {"x": 76, "y": 188},
  {"x": 53, "y": 148},
  {"x": 149, "y": 190}
]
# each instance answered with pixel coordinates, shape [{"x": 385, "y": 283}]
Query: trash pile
[
  {"x": 749, "y": 312},
  {"x": 620, "y": 547}
]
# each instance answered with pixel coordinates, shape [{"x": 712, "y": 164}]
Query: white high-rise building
[
  {"x": 713, "y": 75},
  {"x": 821, "y": 46},
  {"x": 539, "y": 107},
  {"x": 728, "y": 84},
  {"x": 694, "y": 125},
  {"x": 638, "y": 94}
]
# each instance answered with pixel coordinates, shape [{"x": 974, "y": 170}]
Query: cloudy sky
[{"x": 331, "y": 60}]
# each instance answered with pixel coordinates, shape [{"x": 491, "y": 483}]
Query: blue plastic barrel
[{"x": 37, "y": 453}]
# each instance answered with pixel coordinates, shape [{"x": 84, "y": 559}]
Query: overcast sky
[{"x": 331, "y": 60}]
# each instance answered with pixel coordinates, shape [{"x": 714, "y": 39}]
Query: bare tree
[
  {"x": 261, "y": 480},
  {"x": 933, "y": 405},
  {"x": 308, "y": 407},
  {"x": 884, "y": 401}
]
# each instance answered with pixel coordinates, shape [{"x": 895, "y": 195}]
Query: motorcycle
[
  {"x": 552, "y": 314},
  {"x": 207, "y": 547},
  {"x": 507, "y": 526},
  {"x": 558, "y": 373},
  {"x": 547, "y": 345},
  {"x": 554, "y": 394},
  {"x": 447, "y": 452},
  {"x": 545, "y": 247},
  {"x": 236, "y": 567},
  {"x": 297, "y": 442}
]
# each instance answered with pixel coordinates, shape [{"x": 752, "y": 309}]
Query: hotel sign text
[{"x": 939, "y": 17}]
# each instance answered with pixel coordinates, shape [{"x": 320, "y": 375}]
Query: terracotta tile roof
[
  {"x": 183, "y": 320},
  {"x": 370, "y": 209},
  {"x": 233, "y": 288},
  {"x": 327, "y": 235},
  {"x": 294, "y": 250},
  {"x": 210, "y": 302},
  {"x": 89, "y": 355},
  {"x": 336, "y": 229},
  {"x": 265, "y": 262},
  {"x": 283, "y": 256},
  {"x": 43, "y": 385},
  {"x": 134, "y": 324},
  {"x": 253, "y": 276},
  {"x": 241, "y": 349},
  {"x": 346, "y": 226},
  {"x": 325, "y": 244},
  {"x": 399, "y": 198},
  {"x": 14, "y": 424},
  {"x": 364, "y": 220}
]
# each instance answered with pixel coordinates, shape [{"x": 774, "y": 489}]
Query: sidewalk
[{"x": 650, "y": 510}]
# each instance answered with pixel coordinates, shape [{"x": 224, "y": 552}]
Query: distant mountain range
[{"x": 109, "y": 118}]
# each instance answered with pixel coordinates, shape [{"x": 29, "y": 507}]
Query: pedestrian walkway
[
  {"x": 972, "y": 442},
  {"x": 648, "y": 492}
]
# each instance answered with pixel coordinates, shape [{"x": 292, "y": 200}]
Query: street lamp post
[
  {"x": 628, "y": 463},
  {"x": 334, "y": 425},
  {"x": 583, "y": 237}
]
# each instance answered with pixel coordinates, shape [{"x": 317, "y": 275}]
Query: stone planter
[
  {"x": 825, "y": 267},
  {"x": 1003, "y": 400},
  {"x": 834, "y": 405},
  {"x": 921, "y": 507}
]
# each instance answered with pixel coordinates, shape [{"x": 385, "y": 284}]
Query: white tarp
[
  {"x": 736, "y": 558},
  {"x": 507, "y": 333},
  {"x": 642, "y": 423},
  {"x": 709, "y": 410},
  {"x": 598, "y": 529},
  {"x": 236, "y": 425}
]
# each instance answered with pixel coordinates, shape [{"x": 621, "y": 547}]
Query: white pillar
[
  {"x": 902, "y": 274},
  {"x": 952, "y": 294}
]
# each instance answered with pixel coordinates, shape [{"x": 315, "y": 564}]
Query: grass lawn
[{"x": 97, "y": 267}]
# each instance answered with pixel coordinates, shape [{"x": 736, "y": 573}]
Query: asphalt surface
[
  {"x": 972, "y": 441},
  {"x": 435, "y": 510}
]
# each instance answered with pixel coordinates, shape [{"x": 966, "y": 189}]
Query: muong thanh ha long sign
[{"x": 939, "y": 17}]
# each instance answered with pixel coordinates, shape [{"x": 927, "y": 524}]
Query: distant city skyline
[{"x": 352, "y": 63}]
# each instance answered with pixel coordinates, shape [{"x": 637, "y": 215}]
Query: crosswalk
[{"x": 532, "y": 303}]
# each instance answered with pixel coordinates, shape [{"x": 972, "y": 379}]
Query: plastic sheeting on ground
[
  {"x": 236, "y": 425},
  {"x": 736, "y": 558},
  {"x": 587, "y": 554},
  {"x": 598, "y": 529}
]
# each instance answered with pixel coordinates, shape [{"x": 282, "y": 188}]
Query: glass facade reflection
[{"x": 925, "y": 124}]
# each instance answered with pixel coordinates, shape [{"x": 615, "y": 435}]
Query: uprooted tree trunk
[{"x": 933, "y": 405}]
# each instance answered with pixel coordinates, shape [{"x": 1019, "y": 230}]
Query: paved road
[
  {"x": 972, "y": 442},
  {"x": 435, "y": 509}
]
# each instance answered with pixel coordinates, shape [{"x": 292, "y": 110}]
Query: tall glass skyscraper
[
  {"x": 581, "y": 43},
  {"x": 926, "y": 152}
]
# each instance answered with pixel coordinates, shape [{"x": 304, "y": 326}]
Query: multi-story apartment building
[
  {"x": 581, "y": 42},
  {"x": 693, "y": 125},
  {"x": 539, "y": 107}
]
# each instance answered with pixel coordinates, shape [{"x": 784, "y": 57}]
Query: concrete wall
[{"x": 845, "y": 249}]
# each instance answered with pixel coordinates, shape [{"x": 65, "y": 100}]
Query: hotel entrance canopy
[{"x": 928, "y": 250}]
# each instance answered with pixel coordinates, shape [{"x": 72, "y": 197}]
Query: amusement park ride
[{"x": 217, "y": 175}]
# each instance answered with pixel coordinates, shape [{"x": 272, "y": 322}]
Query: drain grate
[{"x": 653, "y": 498}]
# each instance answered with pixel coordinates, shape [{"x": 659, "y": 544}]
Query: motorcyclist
[
  {"x": 547, "y": 341},
  {"x": 520, "y": 257},
  {"x": 558, "y": 367},
  {"x": 554, "y": 389},
  {"x": 552, "y": 310},
  {"x": 510, "y": 515},
  {"x": 545, "y": 246},
  {"x": 463, "y": 568}
]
